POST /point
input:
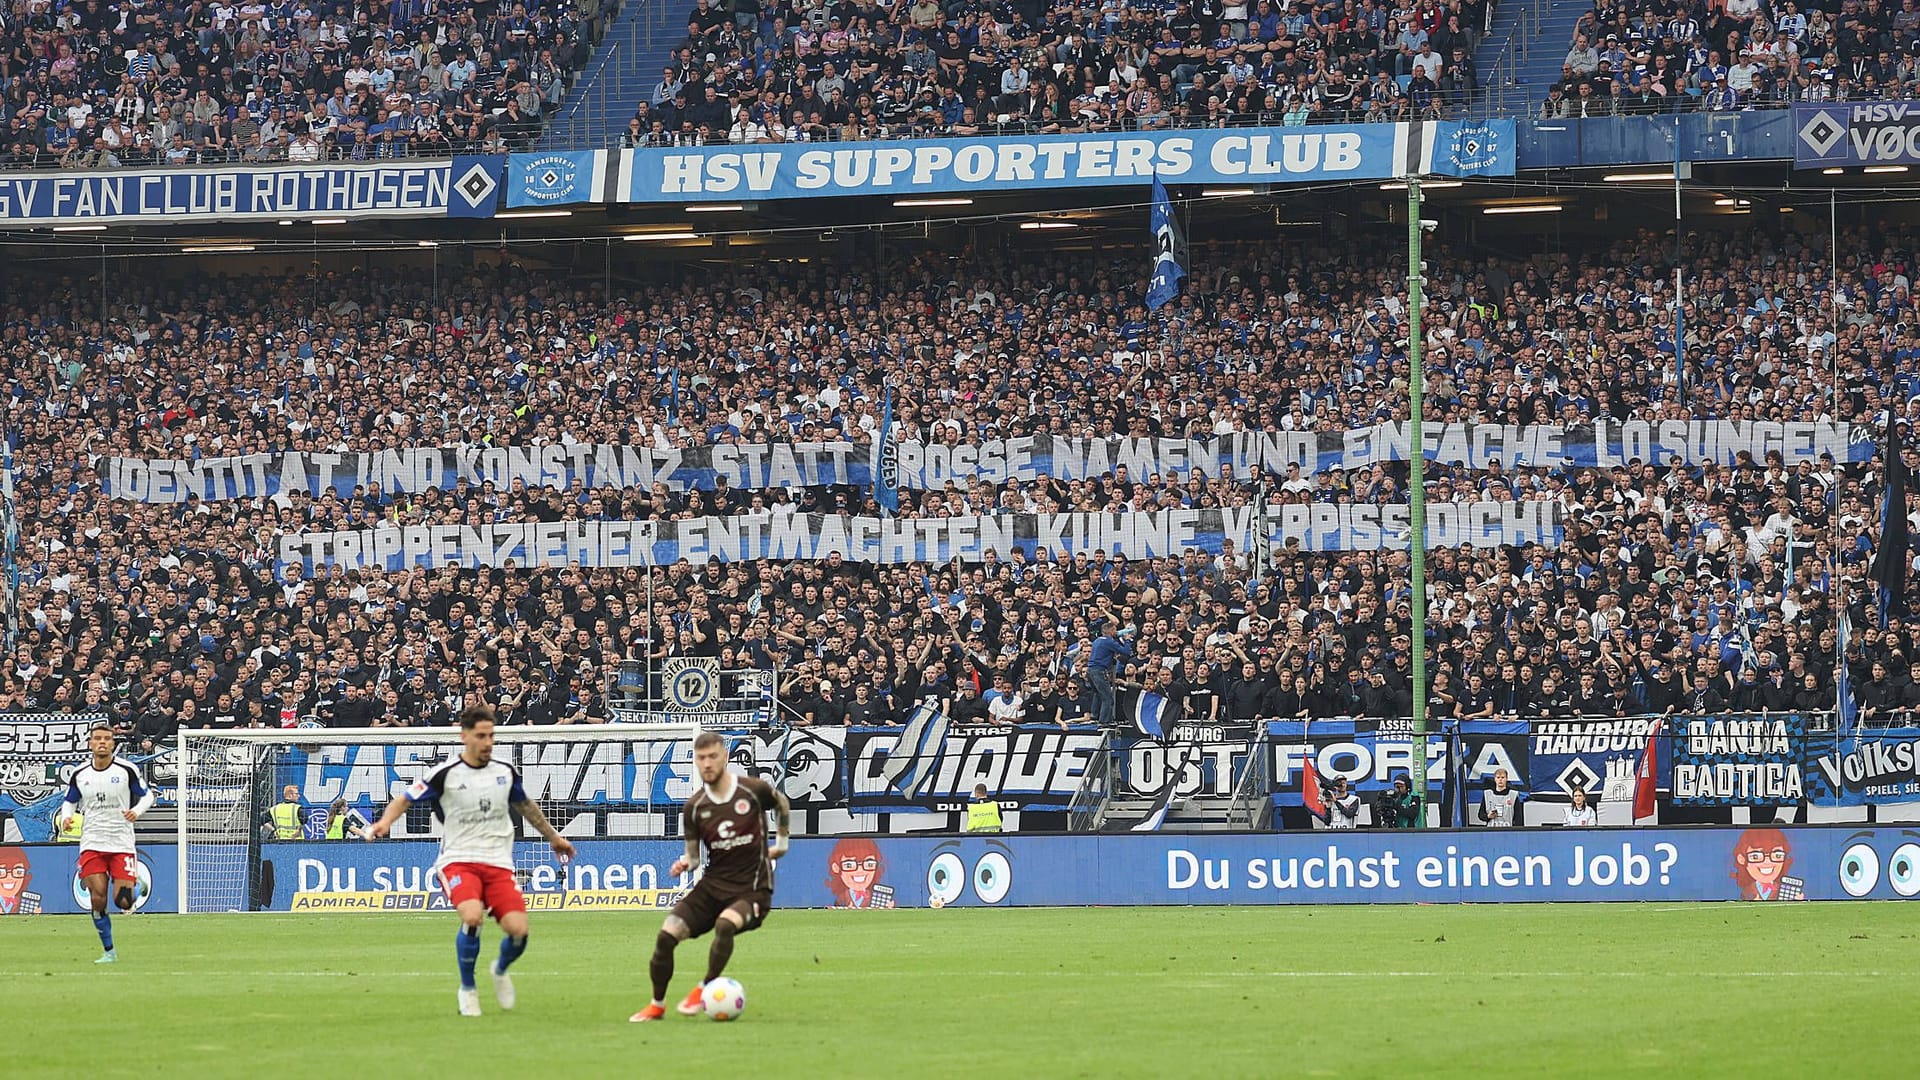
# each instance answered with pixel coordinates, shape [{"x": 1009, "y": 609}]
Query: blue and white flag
[
  {"x": 1169, "y": 250},
  {"x": 1147, "y": 712},
  {"x": 886, "y": 461},
  {"x": 1163, "y": 801},
  {"x": 917, "y": 750}
]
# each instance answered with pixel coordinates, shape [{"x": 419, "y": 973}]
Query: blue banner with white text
[
  {"x": 344, "y": 190},
  {"x": 563, "y": 178},
  {"x": 1856, "y": 133},
  {"x": 1153, "y": 869},
  {"x": 1369, "y": 754},
  {"x": 1876, "y": 767},
  {"x": 1281, "y": 155}
]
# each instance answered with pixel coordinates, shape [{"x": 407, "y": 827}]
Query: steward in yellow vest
[
  {"x": 286, "y": 814},
  {"x": 983, "y": 814}
]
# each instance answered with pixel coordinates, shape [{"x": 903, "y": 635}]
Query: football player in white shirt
[
  {"x": 111, "y": 794},
  {"x": 471, "y": 795}
]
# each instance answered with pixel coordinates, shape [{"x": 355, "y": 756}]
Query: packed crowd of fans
[
  {"x": 1696, "y": 586},
  {"x": 1735, "y": 55},
  {"x": 808, "y": 70},
  {"x": 97, "y": 84}
]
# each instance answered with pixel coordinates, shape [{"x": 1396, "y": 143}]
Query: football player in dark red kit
[{"x": 729, "y": 816}]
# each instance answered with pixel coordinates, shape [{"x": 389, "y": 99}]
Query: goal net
[{"x": 238, "y": 845}]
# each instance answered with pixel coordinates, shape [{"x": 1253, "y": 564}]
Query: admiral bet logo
[{"x": 1875, "y": 133}]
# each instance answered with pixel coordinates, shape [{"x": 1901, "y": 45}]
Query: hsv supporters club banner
[
  {"x": 921, "y": 466},
  {"x": 1285, "y": 155},
  {"x": 892, "y": 541}
]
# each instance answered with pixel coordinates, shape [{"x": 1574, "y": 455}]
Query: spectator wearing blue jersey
[{"x": 1107, "y": 658}]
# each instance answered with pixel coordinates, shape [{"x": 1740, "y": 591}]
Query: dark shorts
[{"x": 702, "y": 905}]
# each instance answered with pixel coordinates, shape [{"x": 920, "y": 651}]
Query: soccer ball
[{"x": 724, "y": 998}]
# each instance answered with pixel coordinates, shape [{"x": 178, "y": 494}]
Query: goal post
[{"x": 597, "y": 781}]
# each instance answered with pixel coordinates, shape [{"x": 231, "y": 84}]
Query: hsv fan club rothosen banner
[{"x": 462, "y": 187}]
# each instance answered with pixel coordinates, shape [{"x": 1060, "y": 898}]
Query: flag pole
[{"x": 1417, "y": 494}]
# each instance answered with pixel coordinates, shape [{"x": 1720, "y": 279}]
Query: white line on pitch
[{"x": 863, "y": 973}]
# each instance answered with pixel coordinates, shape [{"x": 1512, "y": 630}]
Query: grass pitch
[{"x": 1580, "y": 990}]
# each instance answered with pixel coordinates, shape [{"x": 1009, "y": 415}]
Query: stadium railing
[
  {"x": 1087, "y": 808},
  {"x": 1252, "y": 806}
]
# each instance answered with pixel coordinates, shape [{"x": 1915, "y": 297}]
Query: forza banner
[{"x": 1370, "y": 753}]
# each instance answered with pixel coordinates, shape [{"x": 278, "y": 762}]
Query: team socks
[
  {"x": 466, "y": 946},
  {"x": 722, "y": 949},
  {"x": 105, "y": 926},
  {"x": 510, "y": 950},
  {"x": 661, "y": 967}
]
